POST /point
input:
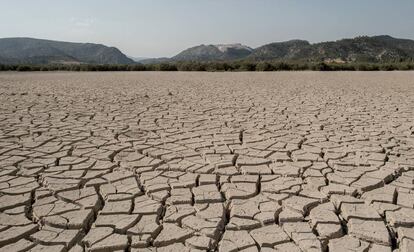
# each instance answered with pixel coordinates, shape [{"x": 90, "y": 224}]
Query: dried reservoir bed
[{"x": 147, "y": 161}]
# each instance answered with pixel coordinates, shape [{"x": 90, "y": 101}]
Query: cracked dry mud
[{"x": 207, "y": 161}]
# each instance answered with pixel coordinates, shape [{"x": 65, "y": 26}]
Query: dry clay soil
[{"x": 283, "y": 161}]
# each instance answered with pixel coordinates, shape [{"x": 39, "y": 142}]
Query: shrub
[
  {"x": 74, "y": 68},
  {"x": 218, "y": 66},
  {"x": 406, "y": 66},
  {"x": 183, "y": 66},
  {"x": 321, "y": 67},
  {"x": 264, "y": 66},
  {"x": 191, "y": 66},
  {"x": 23, "y": 68},
  {"x": 166, "y": 67},
  {"x": 388, "y": 67},
  {"x": 136, "y": 67},
  {"x": 247, "y": 66},
  {"x": 283, "y": 66}
]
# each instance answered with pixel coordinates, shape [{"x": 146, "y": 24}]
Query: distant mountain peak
[
  {"x": 225, "y": 47},
  {"x": 214, "y": 52}
]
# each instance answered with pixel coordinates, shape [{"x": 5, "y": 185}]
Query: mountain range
[
  {"x": 360, "y": 49},
  {"x": 382, "y": 48}
]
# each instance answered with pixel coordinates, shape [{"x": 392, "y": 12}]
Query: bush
[
  {"x": 74, "y": 68},
  {"x": 321, "y": 67},
  {"x": 136, "y": 67},
  {"x": 247, "y": 66},
  {"x": 184, "y": 66},
  {"x": 406, "y": 66},
  {"x": 165, "y": 67},
  {"x": 388, "y": 67},
  {"x": 23, "y": 68},
  {"x": 217, "y": 66},
  {"x": 264, "y": 66},
  {"x": 367, "y": 67},
  {"x": 282, "y": 66},
  {"x": 191, "y": 66}
]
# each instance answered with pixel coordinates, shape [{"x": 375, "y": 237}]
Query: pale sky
[{"x": 157, "y": 28}]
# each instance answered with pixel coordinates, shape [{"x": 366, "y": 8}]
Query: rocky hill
[
  {"x": 359, "y": 49},
  {"x": 293, "y": 49},
  {"x": 40, "y": 51},
  {"x": 214, "y": 52}
]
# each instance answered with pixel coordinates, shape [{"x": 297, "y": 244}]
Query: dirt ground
[{"x": 147, "y": 161}]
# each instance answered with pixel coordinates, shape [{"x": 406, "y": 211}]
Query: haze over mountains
[{"x": 360, "y": 49}]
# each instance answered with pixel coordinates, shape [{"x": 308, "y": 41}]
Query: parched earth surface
[{"x": 207, "y": 161}]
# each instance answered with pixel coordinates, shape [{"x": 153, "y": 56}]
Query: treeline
[{"x": 217, "y": 66}]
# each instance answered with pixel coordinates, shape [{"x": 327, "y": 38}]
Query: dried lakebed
[{"x": 283, "y": 161}]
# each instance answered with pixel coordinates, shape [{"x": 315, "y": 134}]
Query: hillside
[
  {"x": 359, "y": 49},
  {"x": 40, "y": 51},
  {"x": 293, "y": 49},
  {"x": 214, "y": 52}
]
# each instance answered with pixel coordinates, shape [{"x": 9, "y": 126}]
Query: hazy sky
[{"x": 155, "y": 28}]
